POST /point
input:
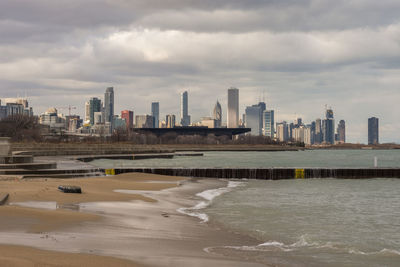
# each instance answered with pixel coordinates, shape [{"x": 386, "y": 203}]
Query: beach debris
[
  {"x": 164, "y": 214},
  {"x": 3, "y": 199},
  {"x": 70, "y": 189}
]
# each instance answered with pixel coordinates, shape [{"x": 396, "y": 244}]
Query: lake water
[
  {"x": 308, "y": 158},
  {"x": 312, "y": 222}
]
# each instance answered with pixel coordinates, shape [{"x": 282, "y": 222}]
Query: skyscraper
[
  {"x": 87, "y": 111},
  {"x": 318, "y": 132},
  {"x": 185, "y": 118},
  {"x": 233, "y": 108},
  {"x": 155, "y": 112},
  {"x": 269, "y": 123},
  {"x": 254, "y": 119},
  {"x": 128, "y": 116},
  {"x": 282, "y": 131},
  {"x": 109, "y": 105},
  {"x": 217, "y": 115},
  {"x": 170, "y": 121},
  {"x": 94, "y": 106},
  {"x": 143, "y": 121},
  {"x": 328, "y": 128},
  {"x": 373, "y": 131},
  {"x": 341, "y": 131}
]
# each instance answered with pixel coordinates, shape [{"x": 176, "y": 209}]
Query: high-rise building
[
  {"x": 87, "y": 111},
  {"x": 155, "y": 112},
  {"x": 318, "y": 132},
  {"x": 341, "y": 132},
  {"x": 373, "y": 131},
  {"x": 299, "y": 122},
  {"x": 282, "y": 131},
  {"x": 298, "y": 134},
  {"x": 269, "y": 123},
  {"x": 94, "y": 106},
  {"x": 185, "y": 118},
  {"x": 233, "y": 108},
  {"x": 143, "y": 121},
  {"x": 217, "y": 115},
  {"x": 254, "y": 118},
  {"x": 98, "y": 117},
  {"x": 308, "y": 135},
  {"x": 109, "y": 105},
  {"x": 170, "y": 121},
  {"x": 328, "y": 128},
  {"x": 128, "y": 116}
]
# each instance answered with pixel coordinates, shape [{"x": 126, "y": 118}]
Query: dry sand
[{"x": 142, "y": 227}]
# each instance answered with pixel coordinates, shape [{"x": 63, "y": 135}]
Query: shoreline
[{"x": 152, "y": 233}]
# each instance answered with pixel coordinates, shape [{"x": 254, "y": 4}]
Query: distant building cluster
[
  {"x": 100, "y": 119},
  {"x": 320, "y": 131},
  {"x": 15, "y": 106}
]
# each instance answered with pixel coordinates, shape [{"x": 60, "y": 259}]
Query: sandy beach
[{"x": 123, "y": 220}]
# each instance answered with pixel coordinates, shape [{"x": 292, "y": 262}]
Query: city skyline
[
  {"x": 301, "y": 63},
  {"x": 260, "y": 120}
]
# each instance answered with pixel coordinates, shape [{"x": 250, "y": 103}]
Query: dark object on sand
[
  {"x": 70, "y": 189},
  {"x": 3, "y": 199}
]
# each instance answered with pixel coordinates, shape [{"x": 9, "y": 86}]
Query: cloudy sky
[{"x": 303, "y": 54}]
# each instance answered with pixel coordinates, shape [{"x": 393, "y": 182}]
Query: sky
[{"x": 298, "y": 55}]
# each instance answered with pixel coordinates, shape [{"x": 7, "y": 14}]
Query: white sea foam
[
  {"x": 208, "y": 195},
  {"x": 273, "y": 245},
  {"x": 302, "y": 243},
  {"x": 384, "y": 251}
]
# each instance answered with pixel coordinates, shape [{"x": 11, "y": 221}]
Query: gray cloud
[{"x": 303, "y": 54}]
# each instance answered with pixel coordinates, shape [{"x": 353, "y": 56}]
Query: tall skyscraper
[
  {"x": 94, "y": 106},
  {"x": 373, "y": 131},
  {"x": 217, "y": 115},
  {"x": 341, "y": 131},
  {"x": 170, "y": 121},
  {"x": 233, "y": 108},
  {"x": 282, "y": 131},
  {"x": 155, "y": 112},
  {"x": 143, "y": 121},
  {"x": 109, "y": 105},
  {"x": 269, "y": 123},
  {"x": 254, "y": 118},
  {"x": 328, "y": 128},
  {"x": 318, "y": 132},
  {"x": 87, "y": 111},
  {"x": 185, "y": 118},
  {"x": 128, "y": 116}
]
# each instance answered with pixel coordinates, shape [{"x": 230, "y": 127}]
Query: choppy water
[
  {"x": 316, "y": 222},
  {"x": 308, "y": 158}
]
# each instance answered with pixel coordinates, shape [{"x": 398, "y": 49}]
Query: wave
[
  {"x": 209, "y": 196},
  {"x": 383, "y": 252},
  {"x": 305, "y": 242}
]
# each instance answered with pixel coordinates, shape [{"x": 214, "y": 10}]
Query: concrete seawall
[{"x": 268, "y": 173}]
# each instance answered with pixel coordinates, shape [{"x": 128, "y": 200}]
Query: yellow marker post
[
  {"x": 110, "y": 171},
  {"x": 299, "y": 174}
]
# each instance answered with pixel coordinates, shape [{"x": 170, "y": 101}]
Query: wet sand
[
  {"x": 143, "y": 226},
  {"x": 18, "y": 256}
]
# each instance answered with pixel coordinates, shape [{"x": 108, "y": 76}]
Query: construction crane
[{"x": 69, "y": 109}]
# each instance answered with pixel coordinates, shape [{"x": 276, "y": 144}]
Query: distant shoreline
[{"x": 65, "y": 149}]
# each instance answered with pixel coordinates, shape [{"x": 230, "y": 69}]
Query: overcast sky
[{"x": 303, "y": 54}]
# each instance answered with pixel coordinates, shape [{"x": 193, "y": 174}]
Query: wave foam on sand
[{"x": 209, "y": 196}]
